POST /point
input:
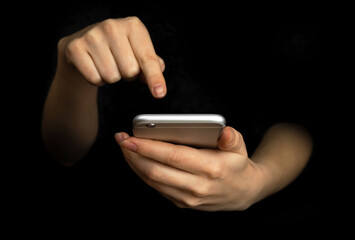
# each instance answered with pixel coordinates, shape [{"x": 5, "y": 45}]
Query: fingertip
[
  {"x": 232, "y": 141},
  {"x": 121, "y": 137},
  {"x": 225, "y": 139},
  {"x": 159, "y": 90}
]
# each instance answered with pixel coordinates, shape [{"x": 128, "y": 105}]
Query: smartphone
[{"x": 197, "y": 130}]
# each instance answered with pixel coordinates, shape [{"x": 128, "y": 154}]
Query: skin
[
  {"x": 222, "y": 179},
  {"x": 101, "y": 53}
]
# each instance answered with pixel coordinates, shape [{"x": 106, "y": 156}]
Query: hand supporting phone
[{"x": 198, "y": 130}]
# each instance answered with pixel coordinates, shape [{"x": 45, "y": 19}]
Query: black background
[{"x": 34, "y": 182}]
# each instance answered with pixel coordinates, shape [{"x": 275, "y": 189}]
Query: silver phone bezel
[
  {"x": 179, "y": 119},
  {"x": 199, "y": 130}
]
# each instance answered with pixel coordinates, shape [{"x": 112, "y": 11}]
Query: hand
[
  {"x": 113, "y": 49},
  {"x": 203, "y": 179}
]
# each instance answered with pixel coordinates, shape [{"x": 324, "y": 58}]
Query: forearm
[
  {"x": 283, "y": 153},
  {"x": 70, "y": 117}
]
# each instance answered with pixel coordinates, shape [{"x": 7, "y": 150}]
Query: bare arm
[
  {"x": 101, "y": 53},
  {"x": 283, "y": 152},
  {"x": 70, "y": 116}
]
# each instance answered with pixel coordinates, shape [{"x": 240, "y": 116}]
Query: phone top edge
[{"x": 182, "y": 118}]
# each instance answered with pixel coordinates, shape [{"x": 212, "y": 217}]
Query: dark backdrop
[{"x": 299, "y": 45}]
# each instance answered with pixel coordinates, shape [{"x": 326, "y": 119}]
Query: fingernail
[
  {"x": 120, "y": 137},
  {"x": 231, "y": 142},
  {"x": 159, "y": 91},
  {"x": 129, "y": 145}
]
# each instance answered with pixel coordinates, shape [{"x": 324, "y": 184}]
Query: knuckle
[
  {"x": 108, "y": 26},
  {"x": 92, "y": 36},
  {"x": 111, "y": 77},
  {"x": 201, "y": 191},
  {"x": 62, "y": 43},
  {"x": 112, "y": 80},
  {"x": 179, "y": 204},
  {"x": 192, "y": 202},
  {"x": 93, "y": 79},
  {"x": 215, "y": 170},
  {"x": 244, "y": 207},
  {"x": 73, "y": 48},
  {"x": 154, "y": 173},
  {"x": 134, "y": 21},
  {"x": 147, "y": 58},
  {"x": 150, "y": 182},
  {"x": 162, "y": 64},
  {"x": 130, "y": 71}
]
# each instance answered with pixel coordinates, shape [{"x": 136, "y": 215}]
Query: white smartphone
[{"x": 198, "y": 130}]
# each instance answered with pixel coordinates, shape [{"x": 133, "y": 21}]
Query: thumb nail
[
  {"x": 232, "y": 137},
  {"x": 120, "y": 137}
]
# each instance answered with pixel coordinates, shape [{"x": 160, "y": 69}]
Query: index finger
[
  {"x": 178, "y": 156},
  {"x": 148, "y": 60}
]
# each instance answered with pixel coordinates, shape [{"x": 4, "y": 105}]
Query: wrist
[
  {"x": 261, "y": 182},
  {"x": 68, "y": 75}
]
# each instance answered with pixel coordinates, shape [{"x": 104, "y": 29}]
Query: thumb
[
  {"x": 232, "y": 141},
  {"x": 162, "y": 64}
]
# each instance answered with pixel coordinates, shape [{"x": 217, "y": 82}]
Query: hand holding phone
[{"x": 198, "y": 130}]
